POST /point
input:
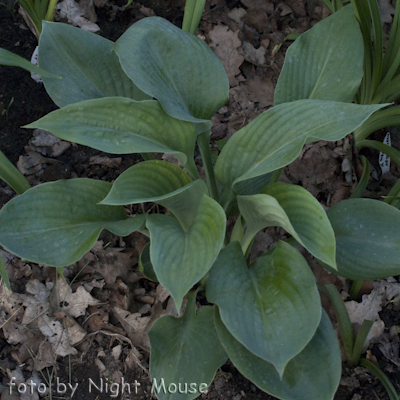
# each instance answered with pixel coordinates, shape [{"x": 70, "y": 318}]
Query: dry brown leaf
[
  {"x": 106, "y": 161},
  {"x": 76, "y": 15},
  {"x": 16, "y": 333},
  {"x": 387, "y": 11},
  {"x": 148, "y": 12},
  {"x": 258, "y": 19},
  {"x": 225, "y": 44},
  {"x": 316, "y": 169},
  {"x": 236, "y": 14},
  {"x": 135, "y": 326},
  {"x": 45, "y": 357},
  {"x": 75, "y": 332},
  {"x": 53, "y": 330},
  {"x": 297, "y": 6},
  {"x": 259, "y": 4},
  {"x": 253, "y": 55},
  {"x": 112, "y": 265},
  {"x": 260, "y": 91},
  {"x": 74, "y": 304}
]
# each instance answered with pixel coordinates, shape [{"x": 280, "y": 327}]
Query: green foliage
[
  {"x": 334, "y": 73},
  {"x": 37, "y": 11},
  {"x": 155, "y": 91},
  {"x": 312, "y": 374},
  {"x": 261, "y": 303},
  {"x": 148, "y": 52},
  {"x": 367, "y": 239},
  {"x": 192, "y": 356},
  {"x": 56, "y": 223}
]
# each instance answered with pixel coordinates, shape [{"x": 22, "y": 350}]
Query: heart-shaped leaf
[
  {"x": 88, "y": 66},
  {"x": 185, "y": 353},
  {"x": 324, "y": 63},
  {"x": 367, "y": 239},
  {"x": 162, "y": 183},
  {"x": 121, "y": 126},
  {"x": 56, "y": 223},
  {"x": 294, "y": 209},
  {"x": 175, "y": 67},
  {"x": 312, "y": 374},
  {"x": 180, "y": 259},
  {"x": 261, "y": 305},
  {"x": 275, "y": 138}
]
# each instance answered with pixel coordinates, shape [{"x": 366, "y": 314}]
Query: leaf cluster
[{"x": 155, "y": 90}]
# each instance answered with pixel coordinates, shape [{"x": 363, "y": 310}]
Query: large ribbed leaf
[
  {"x": 272, "y": 308},
  {"x": 307, "y": 218},
  {"x": 175, "y": 67},
  {"x": 180, "y": 259},
  {"x": 185, "y": 353},
  {"x": 56, "y": 223},
  {"x": 312, "y": 374},
  {"x": 86, "y": 63},
  {"x": 121, "y": 126},
  {"x": 325, "y": 63},
  {"x": 162, "y": 183},
  {"x": 275, "y": 138},
  {"x": 367, "y": 239},
  {"x": 14, "y": 60}
]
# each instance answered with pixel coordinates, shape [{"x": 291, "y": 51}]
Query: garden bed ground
[{"x": 111, "y": 301}]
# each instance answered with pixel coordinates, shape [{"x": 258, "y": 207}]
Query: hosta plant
[
  {"x": 155, "y": 90},
  {"x": 381, "y": 80}
]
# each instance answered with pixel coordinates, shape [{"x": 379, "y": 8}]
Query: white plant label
[
  {"x": 34, "y": 61},
  {"x": 384, "y": 159}
]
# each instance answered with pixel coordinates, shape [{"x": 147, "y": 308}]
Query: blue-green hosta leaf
[
  {"x": 14, "y": 60},
  {"x": 367, "y": 239},
  {"x": 180, "y": 259},
  {"x": 272, "y": 308},
  {"x": 162, "y": 183},
  {"x": 185, "y": 353},
  {"x": 88, "y": 66},
  {"x": 313, "y": 374},
  {"x": 324, "y": 63},
  {"x": 299, "y": 213},
  {"x": 56, "y": 223},
  {"x": 121, "y": 126},
  {"x": 276, "y": 137},
  {"x": 175, "y": 67}
]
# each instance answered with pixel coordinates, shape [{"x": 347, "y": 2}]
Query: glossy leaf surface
[
  {"x": 88, "y": 67},
  {"x": 56, "y": 223},
  {"x": 324, "y": 63},
  {"x": 185, "y": 352},
  {"x": 275, "y": 138},
  {"x": 367, "y": 239},
  {"x": 175, "y": 67},
  {"x": 162, "y": 183},
  {"x": 313, "y": 374},
  {"x": 121, "y": 126},
  {"x": 262, "y": 304},
  {"x": 180, "y": 259}
]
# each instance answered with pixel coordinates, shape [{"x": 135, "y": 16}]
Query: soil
[{"x": 30, "y": 102}]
